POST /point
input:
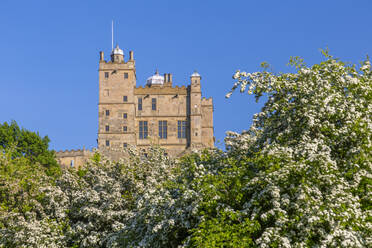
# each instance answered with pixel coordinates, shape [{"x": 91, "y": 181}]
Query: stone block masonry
[{"x": 176, "y": 118}]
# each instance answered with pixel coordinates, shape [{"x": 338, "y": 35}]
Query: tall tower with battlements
[{"x": 116, "y": 104}]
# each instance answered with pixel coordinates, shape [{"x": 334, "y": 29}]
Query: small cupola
[
  {"x": 155, "y": 79},
  {"x": 195, "y": 74},
  {"x": 117, "y": 55},
  {"x": 195, "y": 78}
]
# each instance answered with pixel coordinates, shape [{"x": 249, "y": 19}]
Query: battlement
[
  {"x": 109, "y": 65},
  {"x": 74, "y": 153},
  {"x": 207, "y": 101},
  {"x": 159, "y": 90}
]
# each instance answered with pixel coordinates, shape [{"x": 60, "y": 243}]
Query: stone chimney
[{"x": 131, "y": 55}]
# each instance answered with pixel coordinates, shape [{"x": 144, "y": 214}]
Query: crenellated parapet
[
  {"x": 109, "y": 65},
  {"x": 117, "y": 61},
  {"x": 73, "y": 153},
  {"x": 74, "y": 158},
  {"x": 160, "y": 90},
  {"x": 207, "y": 101}
]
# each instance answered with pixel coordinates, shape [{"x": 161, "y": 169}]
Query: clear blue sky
[{"x": 50, "y": 52}]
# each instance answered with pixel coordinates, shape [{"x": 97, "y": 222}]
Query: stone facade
[
  {"x": 176, "y": 118},
  {"x": 73, "y": 158}
]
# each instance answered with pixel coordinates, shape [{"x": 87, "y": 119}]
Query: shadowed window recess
[
  {"x": 143, "y": 129},
  {"x": 163, "y": 129},
  {"x": 139, "y": 103},
  {"x": 153, "y": 103},
  {"x": 181, "y": 129}
]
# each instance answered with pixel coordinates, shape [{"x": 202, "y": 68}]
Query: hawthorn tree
[
  {"x": 304, "y": 164},
  {"x": 299, "y": 177}
]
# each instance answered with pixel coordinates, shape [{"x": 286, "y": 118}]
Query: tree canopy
[
  {"x": 25, "y": 143},
  {"x": 300, "y": 176}
]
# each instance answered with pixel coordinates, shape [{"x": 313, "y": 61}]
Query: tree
[
  {"x": 305, "y": 163},
  {"x": 25, "y": 143},
  {"x": 299, "y": 177}
]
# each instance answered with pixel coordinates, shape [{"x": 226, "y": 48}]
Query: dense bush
[{"x": 299, "y": 177}]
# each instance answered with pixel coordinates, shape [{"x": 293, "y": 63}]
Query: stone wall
[{"x": 73, "y": 158}]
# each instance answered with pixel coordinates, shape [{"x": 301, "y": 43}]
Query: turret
[
  {"x": 117, "y": 55},
  {"x": 117, "y": 80},
  {"x": 195, "y": 78},
  {"x": 195, "y": 111}
]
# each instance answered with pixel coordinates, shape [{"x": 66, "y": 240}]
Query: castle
[{"x": 176, "y": 118}]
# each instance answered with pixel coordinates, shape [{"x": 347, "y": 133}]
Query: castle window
[
  {"x": 107, "y": 128},
  {"x": 107, "y": 143},
  {"x": 125, "y": 145},
  {"x": 163, "y": 129},
  {"x": 139, "y": 103},
  {"x": 143, "y": 130},
  {"x": 106, "y": 74},
  {"x": 107, "y": 112},
  {"x": 181, "y": 128},
  {"x": 125, "y": 98},
  {"x": 125, "y": 116},
  {"x": 125, "y": 75},
  {"x": 72, "y": 163},
  {"x": 125, "y": 129},
  {"x": 153, "y": 101}
]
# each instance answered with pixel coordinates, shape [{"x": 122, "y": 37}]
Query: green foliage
[
  {"x": 20, "y": 181},
  {"x": 24, "y": 143},
  {"x": 299, "y": 177},
  {"x": 96, "y": 158},
  {"x": 228, "y": 229}
]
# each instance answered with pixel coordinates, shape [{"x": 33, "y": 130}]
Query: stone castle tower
[{"x": 176, "y": 118}]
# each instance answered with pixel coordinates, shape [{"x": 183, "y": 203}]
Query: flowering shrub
[
  {"x": 308, "y": 156},
  {"x": 299, "y": 177},
  {"x": 84, "y": 208},
  {"x": 24, "y": 221}
]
